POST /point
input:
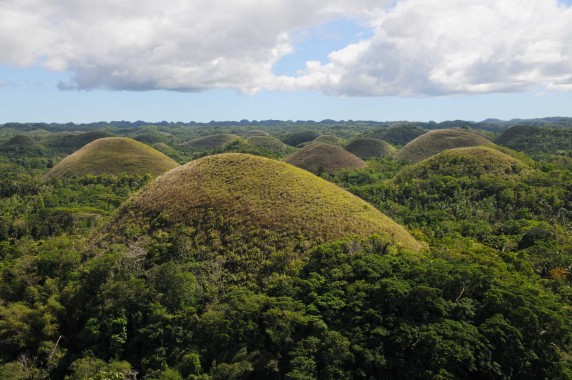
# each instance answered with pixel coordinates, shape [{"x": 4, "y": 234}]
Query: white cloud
[
  {"x": 432, "y": 47},
  {"x": 418, "y": 47}
]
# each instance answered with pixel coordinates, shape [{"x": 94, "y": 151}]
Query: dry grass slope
[
  {"x": 257, "y": 197},
  {"x": 113, "y": 156},
  {"x": 212, "y": 142},
  {"x": 329, "y": 158},
  {"x": 267, "y": 142},
  {"x": 366, "y": 148},
  {"x": 437, "y": 141},
  {"x": 256, "y": 132},
  {"x": 471, "y": 162},
  {"x": 327, "y": 139}
]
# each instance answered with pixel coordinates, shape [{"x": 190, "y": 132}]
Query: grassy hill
[
  {"x": 211, "y": 142},
  {"x": 256, "y": 132},
  {"x": 366, "y": 148},
  {"x": 113, "y": 156},
  {"x": 300, "y": 137},
  {"x": 327, "y": 139},
  {"x": 398, "y": 135},
  {"x": 324, "y": 157},
  {"x": 247, "y": 207},
  {"x": 21, "y": 145},
  {"x": 472, "y": 162},
  {"x": 267, "y": 142},
  {"x": 70, "y": 142},
  {"x": 436, "y": 141},
  {"x": 537, "y": 140}
]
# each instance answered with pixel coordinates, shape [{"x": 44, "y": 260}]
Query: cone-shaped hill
[
  {"x": 211, "y": 142},
  {"x": 366, "y": 148},
  {"x": 437, "y": 141},
  {"x": 245, "y": 207},
  {"x": 113, "y": 156},
  {"x": 327, "y": 139},
  {"x": 267, "y": 142},
  {"x": 472, "y": 162},
  {"x": 21, "y": 144},
  {"x": 256, "y": 132},
  {"x": 324, "y": 157}
]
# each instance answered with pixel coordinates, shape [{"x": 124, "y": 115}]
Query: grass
[
  {"x": 472, "y": 162},
  {"x": 21, "y": 144},
  {"x": 212, "y": 142},
  {"x": 327, "y": 139},
  {"x": 324, "y": 157},
  {"x": 258, "y": 202},
  {"x": 256, "y": 132},
  {"x": 113, "y": 156},
  {"x": 437, "y": 141},
  {"x": 366, "y": 148},
  {"x": 267, "y": 142}
]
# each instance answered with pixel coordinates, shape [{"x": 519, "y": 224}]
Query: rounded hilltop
[
  {"x": 211, "y": 142},
  {"x": 327, "y": 139},
  {"x": 325, "y": 157},
  {"x": 366, "y": 148},
  {"x": 437, "y": 141},
  {"x": 237, "y": 202},
  {"x": 465, "y": 162},
  {"x": 113, "y": 156},
  {"x": 21, "y": 145}
]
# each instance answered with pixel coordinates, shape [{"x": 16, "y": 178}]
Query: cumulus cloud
[
  {"x": 434, "y": 47},
  {"x": 416, "y": 48}
]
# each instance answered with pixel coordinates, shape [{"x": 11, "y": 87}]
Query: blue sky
[{"x": 369, "y": 62}]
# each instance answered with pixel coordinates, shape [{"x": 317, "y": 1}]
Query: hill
[
  {"x": 113, "y": 156},
  {"x": 436, "y": 141},
  {"x": 300, "y": 137},
  {"x": 537, "y": 140},
  {"x": 256, "y": 132},
  {"x": 327, "y": 139},
  {"x": 399, "y": 134},
  {"x": 211, "y": 142},
  {"x": 324, "y": 157},
  {"x": 472, "y": 162},
  {"x": 246, "y": 205},
  {"x": 70, "y": 142},
  {"x": 21, "y": 145},
  {"x": 268, "y": 142},
  {"x": 366, "y": 148}
]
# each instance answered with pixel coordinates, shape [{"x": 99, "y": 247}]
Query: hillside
[
  {"x": 267, "y": 142},
  {"x": 398, "y": 135},
  {"x": 472, "y": 162},
  {"x": 20, "y": 145},
  {"x": 274, "y": 204},
  {"x": 366, "y": 148},
  {"x": 211, "y": 142},
  {"x": 535, "y": 140},
  {"x": 113, "y": 156},
  {"x": 327, "y": 139},
  {"x": 256, "y": 132},
  {"x": 436, "y": 141},
  {"x": 324, "y": 157},
  {"x": 70, "y": 142}
]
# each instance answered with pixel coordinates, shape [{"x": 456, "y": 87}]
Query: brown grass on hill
[
  {"x": 437, "y": 141},
  {"x": 366, "y": 148},
  {"x": 325, "y": 157},
  {"x": 256, "y": 132},
  {"x": 211, "y": 142},
  {"x": 113, "y": 156},
  {"x": 257, "y": 202},
  {"x": 327, "y": 139}
]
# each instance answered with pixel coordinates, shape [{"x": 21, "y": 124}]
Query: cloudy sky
[{"x": 202, "y": 60}]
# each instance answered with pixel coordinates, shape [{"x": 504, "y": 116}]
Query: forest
[{"x": 286, "y": 250}]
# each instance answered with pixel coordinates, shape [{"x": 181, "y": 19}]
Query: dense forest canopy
[{"x": 237, "y": 266}]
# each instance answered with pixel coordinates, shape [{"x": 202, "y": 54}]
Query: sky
[{"x": 202, "y": 60}]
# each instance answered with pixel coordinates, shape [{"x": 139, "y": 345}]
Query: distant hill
[
  {"x": 327, "y": 139},
  {"x": 436, "y": 141},
  {"x": 268, "y": 142},
  {"x": 20, "y": 145},
  {"x": 472, "y": 162},
  {"x": 324, "y": 157},
  {"x": 300, "y": 137},
  {"x": 211, "y": 142},
  {"x": 366, "y": 148},
  {"x": 245, "y": 206},
  {"x": 256, "y": 132},
  {"x": 398, "y": 135},
  {"x": 70, "y": 142},
  {"x": 537, "y": 140},
  {"x": 113, "y": 156}
]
